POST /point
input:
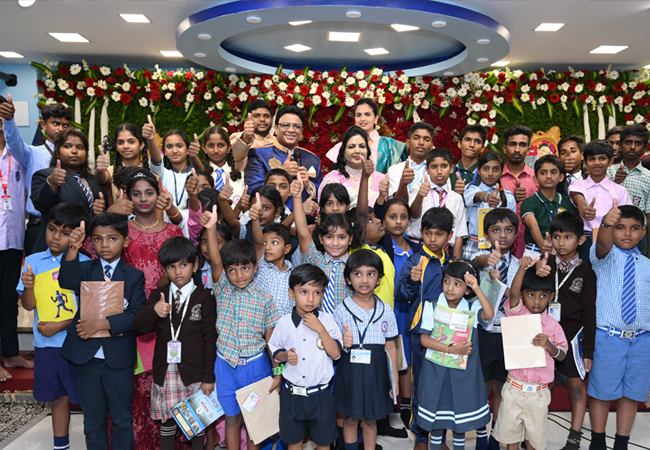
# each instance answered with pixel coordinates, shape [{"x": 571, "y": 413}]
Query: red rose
[
  {"x": 147, "y": 74},
  {"x": 502, "y": 77},
  {"x": 427, "y": 79},
  {"x": 523, "y": 77},
  {"x": 189, "y": 75},
  {"x": 304, "y": 90},
  {"x": 456, "y": 101},
  {"x": 71, "y": 84},
  {"x": 583, "y": 97},
  {"x": 125, "y": 98},
  {"x": 63, "y": 70},
  {"x": 399, "y": 84},
  {"x": 572, "y": 89},
  {"x": 641, "y": 87},
  {"x": 532, "y": 97},
  {"x": 642, "y": 102},
  {"x": 554, "y": 97},
  {"x": 119, "y": 71},
  {"x": 375, "y": 78},
  {"x": 533, "y": 83},
  {"x": 299, "y": 72},
  {"x": 134, "y": 89},
  {"x": 176, "y": 103},
  {"x": 219, "y": 94},
  {"x": 629, "y": 117},
  {"x": 552, "y": 86},
  {"x": 434, "y": 90},
  {"x": 40, "y": 84},
  {"x": 627, "y": 99},
  {"x": 352, "y": 88},
  {"x": 389, "y": 98},
  {"x": 111, "y": 80},
  {"x": 89, "y": 82},
  {"x": 79, "y": 94},
  {"x": 509, "y": 97},
  {"x": 400, "y": 73},
  {"x": 210, "y": 75},
  {"x": 307, "y": 101},
  {"x": 94, "y": 67},
  {"x": 288, "y": 99},
  {"x": 539, "y": 74},
  {"x": 49, "y": 93}
]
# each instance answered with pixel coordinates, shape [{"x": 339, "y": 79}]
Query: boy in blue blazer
[{"x": 104, "y": 365}]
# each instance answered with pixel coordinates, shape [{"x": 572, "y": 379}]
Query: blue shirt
[
  {"x": 399, "y": 258},
  {"x": 376, "y": 326},
  {"x": 269, "y": 279},
  {"x": 44, "y": 262},
  {"x": 12, "y": 223},
  {"x": 609, "y": 272},
  {"x": 32, "y": 158},
  {"x": 472, "y": 208}
]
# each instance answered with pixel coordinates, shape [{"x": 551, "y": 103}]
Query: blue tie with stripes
[
  {"x": 218, "y": 178},
  {"x": 329, "y": 304},
  {"x": 628, "y": 297},
  {"x": 86, "y": 189}
]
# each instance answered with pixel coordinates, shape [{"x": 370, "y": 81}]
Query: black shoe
[{"x": 399, "y": 433}]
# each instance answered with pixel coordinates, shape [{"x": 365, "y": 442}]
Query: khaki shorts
[{"x": 523, "y": 414}]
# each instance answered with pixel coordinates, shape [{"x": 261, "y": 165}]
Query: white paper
[
  {"x": 21, "y": 116},
  {"x": 518, "y": 334}
]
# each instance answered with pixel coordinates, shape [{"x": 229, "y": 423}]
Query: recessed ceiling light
[
  {"x": 11, "y": 55},
  {"x": 439, "y": 24},
  {"x": 343, "y": 36},
  {"x": 400, "y": 28},
  {"x": 200, "y": 55},
  {"x": 448, "y": 74},
  {"x": 647, "y": 67},
  {"x": 135, "y": 18},
  {"x": 230, "y": 69},
  {"x": 69, "y": 37},
  {"x": 609, "y": 49},
  {"x": 26, "y": 3},
  {"x": 171, "y": 53},
  {"x": 299, "y": 22},
  {"x": 297, "y": 48},
  {"x": 549, "y": 26},
  {"x": 253, "y": 19},
  {"x": 376, "y": 51},
  {"x": 483, "y": 60},
  {"x": 500, "y": 63},
  {"x": 353, "y": 14},
  {"x": 204, "y": 36},
  {"x": 483, "y": 41}
]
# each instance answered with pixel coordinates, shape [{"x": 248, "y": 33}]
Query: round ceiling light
[
  {"x": 26, "y": 3},
  {"x": 230, "y": 69},
  {"x": 439, "y": 24},
  {"x": 482, "y": 60},
  {"x": 483, "y": 41},
  {"x": 253, "y": 19},
  {"x": 200, "y": 55},
  {"x": 448, "y": 74},
  {"x": 353, "y": 14},
  {"x": 204, "y": 36}
]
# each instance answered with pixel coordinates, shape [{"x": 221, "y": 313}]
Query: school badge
[
  {"x": 195, "y": 313},
  {"x": 576, "y": 286},
  {"x": 384, "y": 327},
  {"x": 274, "y": 163},
  {"x": 126, "y": 304},
  {"x": 319, "y": 344}
]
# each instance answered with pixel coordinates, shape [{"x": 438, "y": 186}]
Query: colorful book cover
[
  {"x": 197, "y": 412},
  {"x": 450, "y": 326},
  {"x": 578, "y": 352},
  {"x": 494, "y": 291},
  {"x": 483, "y": 242},
  {"x": 53, "y": 303}
]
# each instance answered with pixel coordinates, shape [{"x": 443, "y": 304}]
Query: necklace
[{"x": 146, "y": 228}]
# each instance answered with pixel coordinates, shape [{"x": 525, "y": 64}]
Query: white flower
[
  {"x": 326, "y": 95},
  {"x": 533, "y": 76},
  {"x": 451, "y": 92},
  {"x": 199, "y": 75},
  {"x": 627, "y": 109},
  {"x": 444, "y": 104},
  {"x": 81, "y": 85},
  {"x": 524, "y": 97},
  {"x": 102, "y": 84},
  {"x": 105, "y": 70},
  {"x": 525, "y": 88},
  {"x": 189, "y": 98},
  {"x": 90, "y": 92},
  {"x": 541, "y": 100},
  {"x": 563, "y": 98},
  {"x": 470, "y": 121},
  {"x": 381, "y": 99},
  {"x": 517, "y": 73},
  {"x": 600, "y": 87},
  {"x": 310, "y": 74},
  {"x": 483, "y": 122},
  {"x": 126, "y": 87},
  {"x": 50, "y": 84},
  {"x": 350, "y": 80},
  {"x": 268, "y": 84},
  {"x": 476, "y": 107},
  {"x": 484, "y": 107},
  {"x": 330, "y": 80},
  {"x": 425, "y": 104},
  {"x": 632, "y": 84},
  {"x": 232, "y": 96},
  {"x": 255, "y": 81},
  {"x": 363, "y": 84},
  {"x": 116, "y": 96},
  {"x": 602, "y": 100},
  {"x": 579, "y": 88},
  {"x": 207, "y": 96},
  {"x": 300, "y": 105},
  {"x": 629, "y": 122},
  {"x": 242, "y": 85},
  {"x": 69, "y": 92},
  {"x": 143, "y": 102},
  {"x": 398, "y": 106},
  {"x": 243, "y": 96},
  {"x": 317, "y": 99},
  {"x": 612, "y": 75},
  {"x": 292, "y": 76},
  {"x": 167, "y": 95},
  {"x": 50, "y": 101},
  {"x": 455, "y": 80},
  {"x": 325, "y": 75},
  {"x": 565, "y": 86},
  {"x": 403, "y": 78},
  {"x": 492, "y": 113},
  {"x": 498, "y": 100},
  {"x": 543, "y": 87},
  {"x": 638, "y": 94},
  {"x": 385, "y": 79},
  {"x": 63, "y": 85},
  {"x": 300, "y": 79},
  {"x": 462, "y": 92},
  {"x": 171, "y": 86},
  {"x": 275, "y": 78},
  {"x": 417, "y": 102},
  {"x": 282, "y": 86},
  {"x": 494, "y": 139},
  {"x": 75, "y": 69},
  {"x": 349, "y": 102},
  {"x": 233, "y": 77},
  {"x": 279, "y": 100},
  {"x": 392, "y": 88},
  {"x": 219, "y": 105}
]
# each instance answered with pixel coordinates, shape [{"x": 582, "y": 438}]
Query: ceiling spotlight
[
  {"x": 299, "y": 22},
  {"x": 200, "y": 55},
  {"x": 135, "y": 18},
  {"x": 549, "y": 26},
  {"x": 448, "y": 74},
  {"x": 483, "y": 41},
  {"x": 26, "y": 3},
  {"x": 204, "y": 36},
  {"x": 11, "y": 55},
  {"x": 609, "y": 49},
  {"x": 230, "y": 69},
  {"x": 400, "y": 28},
  {"x": 171, "y": 53},
  {"x": 500, "y": 63},
  {"x": 376, "y": 51},
  {"x": 298, "y": 48},
  {"x": 68, "y": 37},
  {"x": 483, "y": 60},
  {"x": 353, "y": 14},
  {"x": 439, "y": 24},
  {"x": 647, "y": 67},
  {"x": 253, "y": 19},
  {"x": 342, "y": 36}
]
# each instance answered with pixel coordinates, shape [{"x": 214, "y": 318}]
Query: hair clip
[{"x": 139, "y": 175}]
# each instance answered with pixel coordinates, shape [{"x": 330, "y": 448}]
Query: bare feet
[
  {"x": 4, "y": 375},
  {"x": 420, "y": 446},
  {"x": 18, "y": 361}
]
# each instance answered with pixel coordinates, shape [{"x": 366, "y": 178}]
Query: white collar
[{"x": 186, "y": 291}]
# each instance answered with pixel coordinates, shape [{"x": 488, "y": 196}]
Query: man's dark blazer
[{"x": 120, "y": 348}]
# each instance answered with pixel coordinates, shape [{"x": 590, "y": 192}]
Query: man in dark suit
[{"x": 104, "y": 365}]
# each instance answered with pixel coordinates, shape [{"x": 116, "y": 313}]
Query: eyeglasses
[{"x": 286, "y": 126}]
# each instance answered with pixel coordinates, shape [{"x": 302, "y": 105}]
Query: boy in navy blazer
[{"x": 104, "y": 365}]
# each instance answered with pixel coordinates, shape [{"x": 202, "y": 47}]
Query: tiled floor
[{"x": 40, "y": 436}]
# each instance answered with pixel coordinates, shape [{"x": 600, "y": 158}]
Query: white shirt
[
  {"x": 452, "y": 200},
  {"x": 174, "y": 181},
  {"x": 395, "y": 174}
]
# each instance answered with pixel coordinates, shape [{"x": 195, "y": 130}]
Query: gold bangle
[
  {"x": 178, "y": 211},
  {"x": 47, "y": 180}
]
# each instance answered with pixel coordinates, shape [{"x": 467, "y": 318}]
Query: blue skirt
[
  {"x": 362, "y": 390},
  {"x": 453, "y": 399}
]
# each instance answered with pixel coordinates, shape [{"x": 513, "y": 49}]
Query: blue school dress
[{"x": 402, "y": 309}]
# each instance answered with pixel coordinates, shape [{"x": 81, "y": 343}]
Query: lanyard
[
  {"x": 362, "y": 337},
  {"x": 557, "y": 207},
  {"x": 47, "y": 146},
  {"x": 179, "y": 200},
  {"x": 171, "y": 322},
  {"x": 558, "y": 287},
  {"x": 2, "y": 178}
]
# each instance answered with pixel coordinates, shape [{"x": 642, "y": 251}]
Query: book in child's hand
[
  {"x": 53, "y": 303},
  {"x": 197, "y": 412},
  {"x": 518, "y": 334},
  {"x": 483, "y": 242},
  {"x": 494, "y": 291},
  {"x": 577, "y": 347},
  {"x": 451, "y": 326},
  {"x": 99, "y": 300}
]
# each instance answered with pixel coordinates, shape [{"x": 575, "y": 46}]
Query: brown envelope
[
  {"x": 518, "y": 334},
  {"x": 101, "y": 299},
  {"x": 263, "y": 419}
]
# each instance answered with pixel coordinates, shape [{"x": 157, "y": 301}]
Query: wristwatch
[{"x": 278, "y": 370}]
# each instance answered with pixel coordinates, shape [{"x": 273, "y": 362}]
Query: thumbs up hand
[
  {"x": 495, "y": 256},
  {"x": 290, "y": 166},
  {"x": 164, "y": 201},
  {"x": 621, "y": 174},
  {"x": 408, "y": 175},
  {"x": 99, "y": 205},
  {"x": 148, "y": 129},
  {"x": 162, "y": 308},
  {"x": 256, "y": 209},
  {"x": 459, "y": 186},
  {"x": 192, "y": 185},
  {"x": 292, "y": 357},
  {"x": 195, "y": 147},
  {"x": 348, "y": 338},
  {"x": 7, "y": 109},
  {"x": 28, "y": 277},
  {"x": 542, "y": 268},
  {"x": 547, "y": 245},
  {"x": 614, "y": 214},
  {"x": 58, "y": 175},
  {"x": 589, "y": 212},
  {"x": 103, "y": 161},
  {"x": 520, "y": 192},
  {"x": 416, "y": 271},
  {"x": 78, "y": 236},
  {"x": 425, "y": 187},
  {"x": 493, "y": 199},
  {"x": 368, "y": 168},
  {"x": 384, "y": 185},
  {"x": 122, "y": 205},
  {"x": 249, "y": 128}
]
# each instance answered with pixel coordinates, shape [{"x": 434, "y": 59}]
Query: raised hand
[
  {"x": 244, "y": 203},
  {"x": 425, "y": 187},
  {"x": 162, "y": 308},
  {"x": 614, "y": 214},
  {"x": 195, "y": 147},
  {"x": 192, "y": 185},
  {"x": 227, "y": 190},
  {"x": 28, "y": 277},
  {"x": 547, "y": 245},
  {"x": 7, "y": 109},
  {"x": 103, "y": 161},
  {"x": 348, "y": 338},
  {"x": 78, "y": 236},
  {"x": 122, "y": 205},
  {"x": 256, "y": 209},
  {"x": 58, "y": 175},
  {"x": 495, "y": 256},
  {"x": 304, "y": 176},
  {"x": 621, "y": 174},
  {"x": 384, "y": 184},
  {"x": 290, "y": 166},
  {"x": 99, "y": 205},
  {"x": 292, "y": 357},
  {"x": 493, "y": 199},
  {"x": 542, "y": 268},
  {"x": 408, "y": 175},
  {"x": 526, "y": 262},
  {"x": 249, "y": 128},
  {"x": 416, "y": 271},
  {"x": 164, "y": 201},
  {"x": 148, "y": 129},
  {"x": 296, "y": 188},
  {"x": 520, "y": 192},
  {"x": 368, "y": 168},
  {"x": 459, "y": 186},
  {"x": 211, "y": 217},
  {"x": 470, "y": 280},
  {"x": 589, "y": 212},
  {"x": 310, "y": 206}
]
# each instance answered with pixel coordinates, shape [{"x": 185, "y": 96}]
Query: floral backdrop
[{"x": 196, "y": 99}]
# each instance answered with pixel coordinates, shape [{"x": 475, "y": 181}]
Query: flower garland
[{"x": 195, "y": 99}]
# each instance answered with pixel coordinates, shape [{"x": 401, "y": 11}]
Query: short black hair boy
[
  {"x": 497, "y": 215},
  {"x": 307, "y": 274},
  {"x": 599, "y": 147},
  {"x": 113, "y": 220},
  {"x": 68, "y": 215},
  {"x": 568, "y": 222},
  {"x": 438, "y": 218},
  {"x": 548, "y": 159},
  {"x": 443, "y": 153},
  {"x": 238, "y": 252},
  {"x": 175, "y": 249}
]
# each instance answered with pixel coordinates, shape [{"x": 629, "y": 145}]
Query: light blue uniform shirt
[
  {"x": 472, "y": 208},
  {"x": 43, "y": 262}
]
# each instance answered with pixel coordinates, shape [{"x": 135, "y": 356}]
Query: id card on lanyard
[
  {"x": 361, "y": 355},
  {"x": 174, "y": 346},
  {"x": 555, "y": 307},
  {"x": 4, "y": 179}
]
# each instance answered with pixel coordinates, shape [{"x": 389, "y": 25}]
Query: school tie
[
  {"x": 177, "y": 301},
  {"x": 86, "y": 189},
  {"x": 107, "y": 271},
  {"x": 419, "y": 170},
  {"x": 218, "y": 178},
  {"x": 328, "y": 298},
  {"x": 628, "y": 297},
  {"x": 503, "y": 269},
  {"x": 441, "y": 196}
]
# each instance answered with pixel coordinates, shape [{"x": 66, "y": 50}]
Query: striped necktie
[
  {"x": 503, "y": 269},
  {"x": 441, "y": 196},
  {"x": 628, "y": 297},
  {"x": 86, "y": 189},
  {"x": 329, "y": 303},
  {"x": 218, "y": 178},
  {"x": 107, "y": 271}
]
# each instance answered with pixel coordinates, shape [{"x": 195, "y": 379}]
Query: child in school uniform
[
  {"x": 459, "y": 393},
  {"x": 55, "y": 378},
  {"x": 221, "y": 163},
  {"x": 334, "y": 199},
  {"x": 526, "y": 395},
  {"x": 308, "y": 341},
  {"x": 245, "y": 319},
  {"x": 575, "y": 286},
  {"x": 363, "y": 389},
  {"x": 501, "y": 227},
  {"x": 104, "y": 365},
  {"x": 571, "y": 152},
  {"x": 183, "y": 313},
  {"x": 471, "y": 145},
  {"x": 487, "y": 194},
  {"x": 622, "y": 356}
]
